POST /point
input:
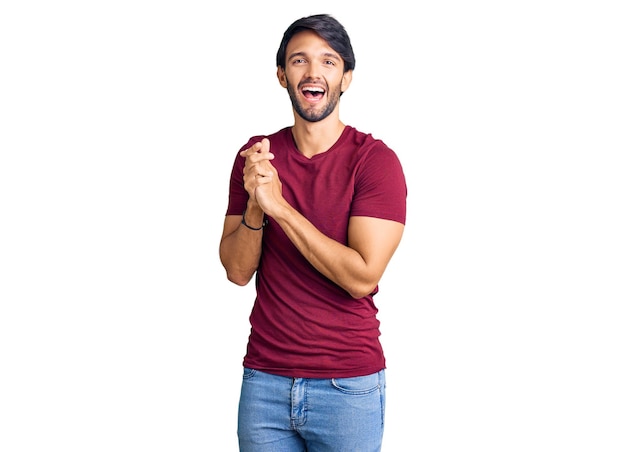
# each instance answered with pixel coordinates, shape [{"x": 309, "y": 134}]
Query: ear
[
  {"x": 282, "y": 78},
  {"x": 346, "y": 80}
]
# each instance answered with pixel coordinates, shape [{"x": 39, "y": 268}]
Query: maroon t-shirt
[{"x": 303, "y": 324}]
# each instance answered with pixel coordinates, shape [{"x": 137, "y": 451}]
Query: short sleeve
[{"x": 380, "y": 187}]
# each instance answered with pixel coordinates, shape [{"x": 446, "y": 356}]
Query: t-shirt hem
[{"x": 308, "y": 373}]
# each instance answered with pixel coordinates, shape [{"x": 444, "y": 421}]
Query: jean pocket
[
  {"x": 357, "y": 385},
  {"x": 248, "y": 373}
]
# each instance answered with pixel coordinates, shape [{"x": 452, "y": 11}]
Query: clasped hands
[{"x": 260, "y": 177}]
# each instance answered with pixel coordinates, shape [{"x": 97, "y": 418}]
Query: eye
[{"x": 329, "y": 62}]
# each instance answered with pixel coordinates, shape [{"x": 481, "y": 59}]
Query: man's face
[{"x": 313, "y": 76}]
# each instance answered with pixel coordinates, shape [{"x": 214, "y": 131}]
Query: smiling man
[{"x": 315, "y": 213}]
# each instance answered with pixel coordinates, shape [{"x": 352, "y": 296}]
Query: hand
[
  {"x": 256, "y": 167},
  {"x": 261, "y": 179}
]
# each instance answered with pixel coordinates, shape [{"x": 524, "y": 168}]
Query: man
[{"x": 316, "y": 212}]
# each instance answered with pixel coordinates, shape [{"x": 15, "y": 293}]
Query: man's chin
[{"x": 312, "y": 114}]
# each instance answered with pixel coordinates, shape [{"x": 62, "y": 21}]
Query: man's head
[
  {"x": 314, "y": 63},
  {"x": 329, "y": 29}
]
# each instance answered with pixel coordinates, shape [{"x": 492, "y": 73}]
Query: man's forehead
[{"x": 308, "y": 42}]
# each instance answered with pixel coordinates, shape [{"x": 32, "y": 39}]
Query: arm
[
  {"x": 357, "y": 267},
  {"x": 240, "y": 247}
]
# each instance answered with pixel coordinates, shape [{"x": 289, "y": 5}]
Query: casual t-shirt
[{"x": 303, "y": 324}]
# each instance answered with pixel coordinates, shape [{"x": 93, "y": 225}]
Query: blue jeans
[{"x": 282, "y": 414}]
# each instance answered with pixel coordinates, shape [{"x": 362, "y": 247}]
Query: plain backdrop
[{"x": 501, "y": 311}]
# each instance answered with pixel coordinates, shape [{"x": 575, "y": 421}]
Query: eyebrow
[{"x": 325, "y": 55}]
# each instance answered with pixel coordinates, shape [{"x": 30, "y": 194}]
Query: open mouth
[{"x": 313, "y": 92}]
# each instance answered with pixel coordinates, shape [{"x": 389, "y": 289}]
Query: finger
[
  {"x": 265, "y": 149},
  {"x": 265, "y": 146},
  {"x": 258, "y": 151},
  {"x": 254, "y": 149},
  {"x": 262, "y": 179}
]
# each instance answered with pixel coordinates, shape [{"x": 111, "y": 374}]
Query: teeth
[{"x": 318, "y": 90}]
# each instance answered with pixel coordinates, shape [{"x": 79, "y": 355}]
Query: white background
[{"x": 501, "y": 311}]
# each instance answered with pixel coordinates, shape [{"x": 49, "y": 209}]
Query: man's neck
[{"x": 313, "y": 138}]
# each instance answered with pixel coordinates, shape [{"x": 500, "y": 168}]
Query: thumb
[{"x": 265, "y": 145}]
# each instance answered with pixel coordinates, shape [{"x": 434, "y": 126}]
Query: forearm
[
  {"x": 339, "y": 263},
  {"x": 240, "y": 247}
]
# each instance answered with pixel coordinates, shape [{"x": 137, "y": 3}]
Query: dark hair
[{"x": 329, "y": 29}]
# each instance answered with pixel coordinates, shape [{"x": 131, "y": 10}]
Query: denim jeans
[{"x": 283, "y": 414}]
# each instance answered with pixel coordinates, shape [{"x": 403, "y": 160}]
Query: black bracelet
[{"x": 243, "y": 221}]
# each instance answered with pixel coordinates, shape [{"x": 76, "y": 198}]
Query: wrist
[{"x": 253, "y": 224}]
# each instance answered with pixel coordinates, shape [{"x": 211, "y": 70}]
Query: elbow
[
  {"x": 362, "y": 290},
  {"x": 239, "y": 278},
  {"x": 361, "y": 284},
  {"x": 239, "y": 282},
  {"x": 237, "y": 274}
]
